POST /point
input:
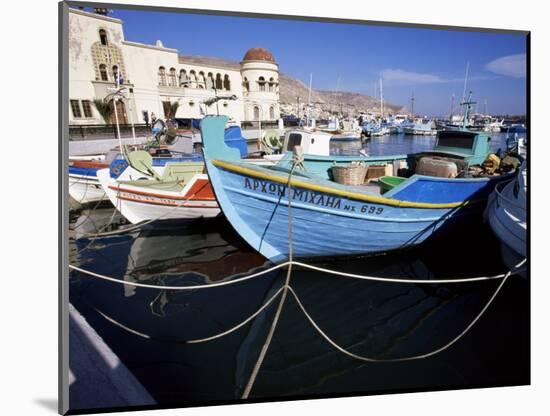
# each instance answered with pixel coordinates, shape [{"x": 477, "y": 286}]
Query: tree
[
  {"x": 170, "y": 109},
  {"x": 105, "y": 109}
]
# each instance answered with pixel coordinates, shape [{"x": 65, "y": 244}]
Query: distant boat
[
  {"x": 420, "y": 127},
  {"x": 372, "y": 129},
  {"x": 507, "y": 215},
  {"x": 346, "y": 137},
  {"x": 330, "y": 219}
]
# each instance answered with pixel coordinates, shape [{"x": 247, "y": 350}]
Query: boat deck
[{"x": 370, "y": 188}]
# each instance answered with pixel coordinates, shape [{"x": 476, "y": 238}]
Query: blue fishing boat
[{"x": 331, "y": 219}]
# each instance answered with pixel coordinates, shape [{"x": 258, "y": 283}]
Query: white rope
[
  {"x": 247, "y": 320},
  {"x": 296, "y": 263},
  {"x": 396, "y": 280},
  {"x": 414, "y": 357},
  {"x": 198, "y": 340},
  {"x": 160, "y": 287}
]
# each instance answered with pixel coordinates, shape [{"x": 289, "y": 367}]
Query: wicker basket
[{"x": 353, "y": 174}]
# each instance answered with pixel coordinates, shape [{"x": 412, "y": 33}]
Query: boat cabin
[
  {"x": 311, "y": 142},
  {"x": 472, "y": 147}
]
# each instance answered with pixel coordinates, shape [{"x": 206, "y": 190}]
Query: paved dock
[{"x": 97, "y": 377}]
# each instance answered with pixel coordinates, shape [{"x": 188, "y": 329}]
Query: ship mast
[{"x": 467, "y": 107}]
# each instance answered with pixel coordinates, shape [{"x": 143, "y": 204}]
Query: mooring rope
[
  {"x": 295, "y": 162},
  {"x": 192, "y": 287},
  {"x": 317, "y": 326},
  {"x": 413, "y": 357},
  {"x": 90, "y": 212},
  {"x": 191, "y": 341}
]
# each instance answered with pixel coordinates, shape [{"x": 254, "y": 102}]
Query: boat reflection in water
[
  {"x": 148, "y": 328},
  {"x": 199, "y": 254}
]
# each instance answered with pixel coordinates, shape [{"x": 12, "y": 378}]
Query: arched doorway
[{"x": 121, "y": 113}]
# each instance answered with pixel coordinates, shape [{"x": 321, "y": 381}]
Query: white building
[{"x": 154, "y": 74}]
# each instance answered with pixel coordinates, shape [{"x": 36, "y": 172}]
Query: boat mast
[
  {"x": 381, "y": 101},
  {"x": 467, "y": 107},
  {"x": 412, "y": 105},
  {"x": 336, "y": 94},
  {"x": 465, "y": 82},
  {"x": 452, "y": 107},
  {"x": 309, "y": 97}
]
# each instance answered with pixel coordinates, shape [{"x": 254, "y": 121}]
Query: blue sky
[{"x": 430, "y": 63}]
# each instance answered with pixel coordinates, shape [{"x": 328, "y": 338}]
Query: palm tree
[
  {"x": 170, "y": 108},
  {"x": 105, "y": 109}
]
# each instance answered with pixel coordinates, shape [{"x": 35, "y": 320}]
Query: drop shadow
[{"x": 48, "y": 404}]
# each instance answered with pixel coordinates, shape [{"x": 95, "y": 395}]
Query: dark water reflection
[{"x": 147, "y": 328}]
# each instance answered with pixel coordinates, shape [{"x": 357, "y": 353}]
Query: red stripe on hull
[
  {"x": 169, "y": 204},
  {"x": 201, "y": 191}
]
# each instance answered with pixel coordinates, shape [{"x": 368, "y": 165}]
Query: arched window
[
  {"x": 210, "y": 81},
  {"x": 103, "y": 72},
  {"x": 162, "y": 76},
  {"x": 115, "y": 73},
  {"x": 226, "y": 83},
  {"x": 202, "y": 80},
  {"x": 193, "y": 79},
  {"x": 256, "y": 112},
  {"x": 103, "y": 37},
  {"x": 246, "y": 84},
  {"x": 272, "y": 84},
  {"x": 272, "y": 113},
  {"x": 173, "y": 81},
  {"x": 219, "y": 82},
  {"x": 183, "y": 78},
  {"x": 261, "y": 83}
]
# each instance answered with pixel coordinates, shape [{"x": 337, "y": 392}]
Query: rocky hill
[{"x": 294, "y": 92}]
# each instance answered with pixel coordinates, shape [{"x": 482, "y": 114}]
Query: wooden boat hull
[
  {"x": 137, "y": 203},
  {"x": 330, "y": 222}
]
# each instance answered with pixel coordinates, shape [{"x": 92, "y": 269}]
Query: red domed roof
[{"x": 258, "y": 54}]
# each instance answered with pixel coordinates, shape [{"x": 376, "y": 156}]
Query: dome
[{"x": 258, "y": 54}]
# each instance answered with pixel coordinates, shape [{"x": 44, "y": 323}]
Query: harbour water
[{"x": 148, "y": 328}]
